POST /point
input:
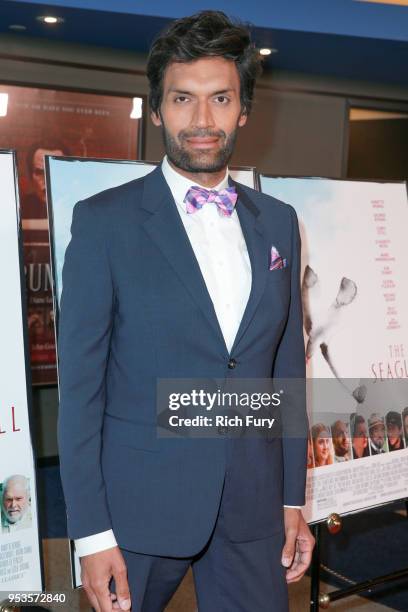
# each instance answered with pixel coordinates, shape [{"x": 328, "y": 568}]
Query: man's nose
[{"x": 203, "y": 116}]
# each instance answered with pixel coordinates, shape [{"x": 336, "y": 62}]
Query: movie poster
[
  {"x": 42, "y": 122},
  {"x": 20, "y": 560},
  {"x": 355, "y": 303},
  {"x": 87, "y": 177}
]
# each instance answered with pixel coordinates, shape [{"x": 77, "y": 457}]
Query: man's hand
[
  {"x": 299, "y": 543},
  {"x": 96, "y": 572}
]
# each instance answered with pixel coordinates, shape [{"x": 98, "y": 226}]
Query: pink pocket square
[{"x": 277, "y": 262}]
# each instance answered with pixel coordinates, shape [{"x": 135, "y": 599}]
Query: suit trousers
[{"x": 228, "y": 576}]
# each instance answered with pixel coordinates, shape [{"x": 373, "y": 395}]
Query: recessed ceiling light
[
  {"x": 17, "y": 27},
  {"x": 3, "y": 104},
  {"x": 267, "y": 51},
  {"x": 137, "y": 105},
  {"x": 50, "y": 19}
]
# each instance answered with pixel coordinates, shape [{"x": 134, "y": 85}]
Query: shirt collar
[{"x": 179, "y": 184}]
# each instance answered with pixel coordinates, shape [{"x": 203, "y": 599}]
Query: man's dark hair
[
  {"x": 355, "y": 420},
  {"x": 205, "y": 34},
  {"x": 393, "y": 418}
]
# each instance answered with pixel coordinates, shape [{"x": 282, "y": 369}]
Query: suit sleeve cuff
[{"x": 95, "y": 543}]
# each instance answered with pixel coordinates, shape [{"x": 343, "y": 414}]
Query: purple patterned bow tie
[{"x": 225, "y": 199}]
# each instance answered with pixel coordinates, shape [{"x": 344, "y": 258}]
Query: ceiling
[{"x": 342, "y": 38}]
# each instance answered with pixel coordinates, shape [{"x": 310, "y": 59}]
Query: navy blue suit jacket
[{"x": 135, "y": 308}]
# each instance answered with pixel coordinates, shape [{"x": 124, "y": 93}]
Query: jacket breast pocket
[
  {"x": 280, "y": 275},
  {"x": 276, "y": 296}
]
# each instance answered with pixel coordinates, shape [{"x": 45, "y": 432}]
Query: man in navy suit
[{"x": 183, "y": 274}]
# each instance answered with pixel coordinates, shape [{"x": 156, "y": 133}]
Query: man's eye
[
  {"x": 181, "y": 99},
  {"x": 222, "y": 99}
]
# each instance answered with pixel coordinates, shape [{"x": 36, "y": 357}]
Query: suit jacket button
[{"x": 231, "y": 364}]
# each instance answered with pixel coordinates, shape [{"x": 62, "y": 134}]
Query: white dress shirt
[{"x": 220, "y": 249}]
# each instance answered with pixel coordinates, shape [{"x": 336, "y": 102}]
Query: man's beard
[
  {"x": 379, "y": 443},
  {"x": 341, "y": 451},
  {"x": 201, "y": 161},
  {"x": 14, "y": 517}
]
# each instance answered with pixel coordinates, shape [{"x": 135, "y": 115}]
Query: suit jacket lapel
[
  {"x": 166, "y": 229},
  {"x": 257, "y": 246}
]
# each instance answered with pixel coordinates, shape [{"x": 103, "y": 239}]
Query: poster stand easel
[{"x": 323, "y": 600}]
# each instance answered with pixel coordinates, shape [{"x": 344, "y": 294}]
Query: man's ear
[
  {"x": 156, "y": 119},
  {"x": 242, "y": 119}
]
